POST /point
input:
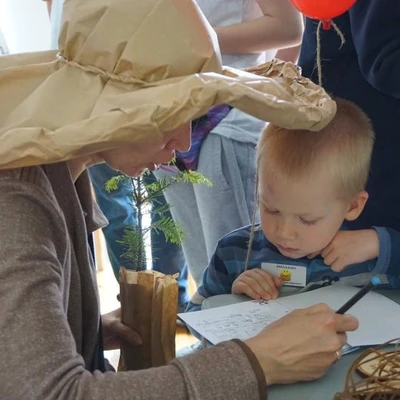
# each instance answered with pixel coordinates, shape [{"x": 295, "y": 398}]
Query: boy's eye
[
  {"x": 307, "y": 222},
  {"x": 272, "y": 212}
]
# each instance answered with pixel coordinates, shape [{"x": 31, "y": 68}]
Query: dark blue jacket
[{"x": 366, "y": 70}]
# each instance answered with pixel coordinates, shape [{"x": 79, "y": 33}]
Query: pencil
[{"x": 360, "y": 294}]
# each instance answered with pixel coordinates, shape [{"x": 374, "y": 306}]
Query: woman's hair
[{"x": 341, "y": 151}]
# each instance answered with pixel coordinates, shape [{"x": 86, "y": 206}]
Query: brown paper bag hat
[{"x": 133, "y": 68}]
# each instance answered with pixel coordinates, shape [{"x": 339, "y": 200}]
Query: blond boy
[{"x": 309, "y": 185}]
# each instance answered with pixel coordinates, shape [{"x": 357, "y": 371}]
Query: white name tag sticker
[{"x": 291, "y": 275}]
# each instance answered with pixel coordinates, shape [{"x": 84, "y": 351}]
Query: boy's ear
[{"x": 356, "y": 206}]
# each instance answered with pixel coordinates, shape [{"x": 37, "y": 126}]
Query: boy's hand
[
  {"x": 350, "y": 247},
  {"x": 257, "y": 284}
]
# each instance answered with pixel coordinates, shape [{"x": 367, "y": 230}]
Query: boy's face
[{"x": 302, "y": 217}]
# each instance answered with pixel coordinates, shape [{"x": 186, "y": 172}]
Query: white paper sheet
[
  {"x": 379, "y": 316},
  {"x": 236, "y": 321}
]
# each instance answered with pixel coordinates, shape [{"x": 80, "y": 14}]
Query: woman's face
[{"x": 134, "y": 159}]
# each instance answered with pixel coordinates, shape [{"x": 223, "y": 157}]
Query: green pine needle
[{"x": 172, "y": 231}]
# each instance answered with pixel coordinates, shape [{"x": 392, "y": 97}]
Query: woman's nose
[{"x": 180, "y": 138}]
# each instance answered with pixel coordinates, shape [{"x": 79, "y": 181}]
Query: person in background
[
  {"x": 118, "y": 208},
  {"x": 249, "y": 33},
  {"x": 311, "y": 185},
  {"x": 364, "y": 71}
]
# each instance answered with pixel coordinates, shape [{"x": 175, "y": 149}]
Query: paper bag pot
[{"x": 149, "y": 305}]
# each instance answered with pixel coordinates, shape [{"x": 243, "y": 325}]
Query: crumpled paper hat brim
[
  {"x": 43, "y": 124},
  {"x": 54, "y": 110}
]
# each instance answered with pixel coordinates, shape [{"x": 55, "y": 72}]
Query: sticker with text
[{"x": 291, "y": 275}]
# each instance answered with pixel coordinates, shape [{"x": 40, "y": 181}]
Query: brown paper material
[
  {"x": 149, "y": 305},
  {"x": 163, "y": 328},
  {"x": 130, "y": 69}
]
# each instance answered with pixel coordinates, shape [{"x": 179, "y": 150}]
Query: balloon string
[
  {"x": 325, "y": 24},
  {"x": 340, "y": 34},
  {"x": 319, "y": 67}
]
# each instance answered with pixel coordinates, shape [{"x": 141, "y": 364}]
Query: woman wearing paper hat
[{"x": 130, "y": 76}]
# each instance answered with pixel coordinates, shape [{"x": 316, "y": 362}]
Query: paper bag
[{"x": 149, "y": 305}]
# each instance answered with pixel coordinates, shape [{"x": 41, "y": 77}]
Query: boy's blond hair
[{"x": 341, "y": 150}]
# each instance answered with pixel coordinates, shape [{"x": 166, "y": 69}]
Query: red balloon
[{"x": 323, "y": 9}]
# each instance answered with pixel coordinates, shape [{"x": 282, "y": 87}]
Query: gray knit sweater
[{"x": 49, "y": 308}]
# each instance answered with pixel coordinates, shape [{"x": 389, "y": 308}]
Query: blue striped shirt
[{"x": 228, "y": 262}]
